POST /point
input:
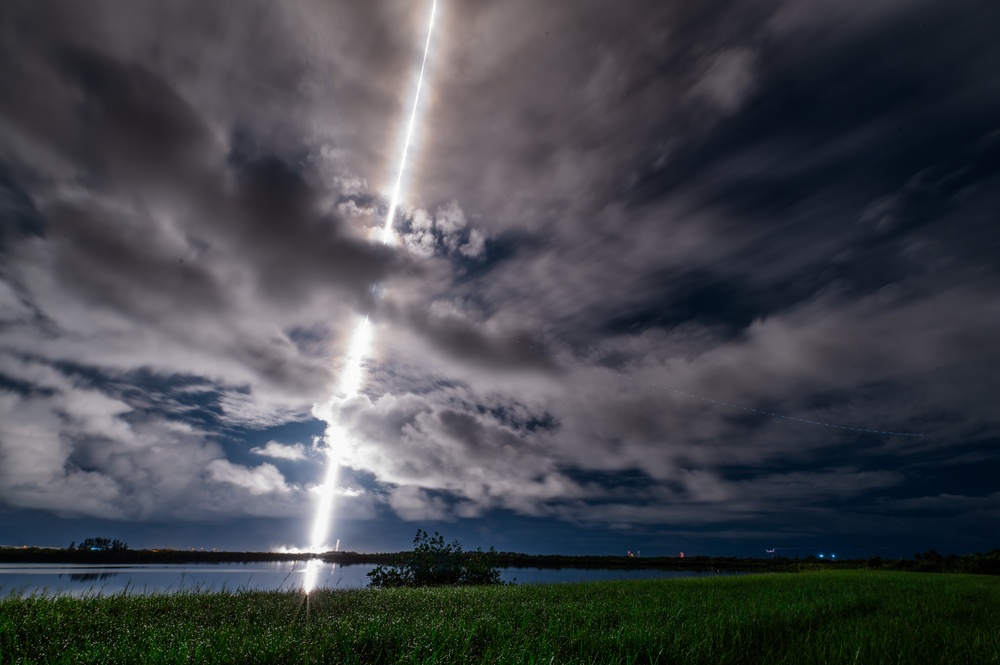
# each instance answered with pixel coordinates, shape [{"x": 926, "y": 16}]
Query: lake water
[{"x": 87, "y": 579}]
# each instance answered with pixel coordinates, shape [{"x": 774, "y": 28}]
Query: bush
[
  {"x": 435, "y": 563},
  {"x": 102, "y": 545}
]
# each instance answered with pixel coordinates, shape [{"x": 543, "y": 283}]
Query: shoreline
[{"x": 988, "y": 563}]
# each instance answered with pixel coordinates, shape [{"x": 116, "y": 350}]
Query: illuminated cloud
[
  {"x": 283, "y": 451},
  {"x": 786, "y": 207},
  {"x": 263, "y": 479}
]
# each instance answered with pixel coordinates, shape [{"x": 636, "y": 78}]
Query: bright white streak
[
  {"x": 352, "y": 377},
  {"x": 387, "y": 233}
]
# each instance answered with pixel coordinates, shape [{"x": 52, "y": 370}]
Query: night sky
[{"x": 639, "y": 244}]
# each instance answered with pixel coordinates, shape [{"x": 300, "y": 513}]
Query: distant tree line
[{"x": 931, "y": 561}]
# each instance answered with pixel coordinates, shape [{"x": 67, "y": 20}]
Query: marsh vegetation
[{"x": 829, "y": 617}]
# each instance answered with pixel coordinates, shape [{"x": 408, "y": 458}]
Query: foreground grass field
[{"x": 823, "y": 617}]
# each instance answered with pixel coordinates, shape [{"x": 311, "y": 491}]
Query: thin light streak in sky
[
  {"x": 387, "y": 231},
  {"x": 352, "y": 375}
]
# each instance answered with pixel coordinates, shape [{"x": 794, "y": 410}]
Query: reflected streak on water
[{"x": 79, "y": 579}]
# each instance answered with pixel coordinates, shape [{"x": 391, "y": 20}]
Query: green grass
[{"x": 824, "y": 617}]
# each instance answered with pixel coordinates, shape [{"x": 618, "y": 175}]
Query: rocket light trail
[
  {"x": 387, "y": 231},
  {"x": 351, "y": 379},
  {"x": 352, "y": 375}
]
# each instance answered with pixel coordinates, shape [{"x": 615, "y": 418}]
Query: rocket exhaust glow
[{"x": 352, "y": 375}]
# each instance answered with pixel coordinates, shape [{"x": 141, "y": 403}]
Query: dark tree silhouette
[
  {"x": 102, "y": 545},
  {"x": 435, "y": 563}
]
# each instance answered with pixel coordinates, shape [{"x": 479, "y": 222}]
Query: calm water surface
[{"x": 80, "y": 579}]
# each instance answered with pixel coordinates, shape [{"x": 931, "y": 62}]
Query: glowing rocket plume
[{"x": 352, "y": 375}]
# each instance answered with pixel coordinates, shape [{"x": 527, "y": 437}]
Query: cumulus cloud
[
  {"x": 80, "y": 451},
  {"x": 294, "y": 452},
  {"x": 445, "y": 232},
  {"x": 475, "y": 245},
  {"x": 414, "y": 504},
  {"x": 449, "y": 221},
  {"x": 421, "y": 239},
  {"x": 263, "y": 479}
]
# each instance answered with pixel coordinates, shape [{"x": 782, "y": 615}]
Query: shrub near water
[
  {"x": 434, "y": 563},
  {"x": 827, "y": 617}
]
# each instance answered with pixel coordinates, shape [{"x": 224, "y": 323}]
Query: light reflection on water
[{"x": 78, "y": 579}]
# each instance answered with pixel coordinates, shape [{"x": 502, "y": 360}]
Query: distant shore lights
[{"x": 353, "y": 373}]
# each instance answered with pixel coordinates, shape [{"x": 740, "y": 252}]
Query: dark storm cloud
[
  {"x": 131, "y": 114},
  {"x": 748, "y": 209},
  {"x": 464, "y": 341},
  {"x": 786, "y": 210},
  {"x": 147, "y": 226},
  {"x": 21, "y": 218},
  {"x": 621, "y": 220},
  {"x": 108, "y": 263}
]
